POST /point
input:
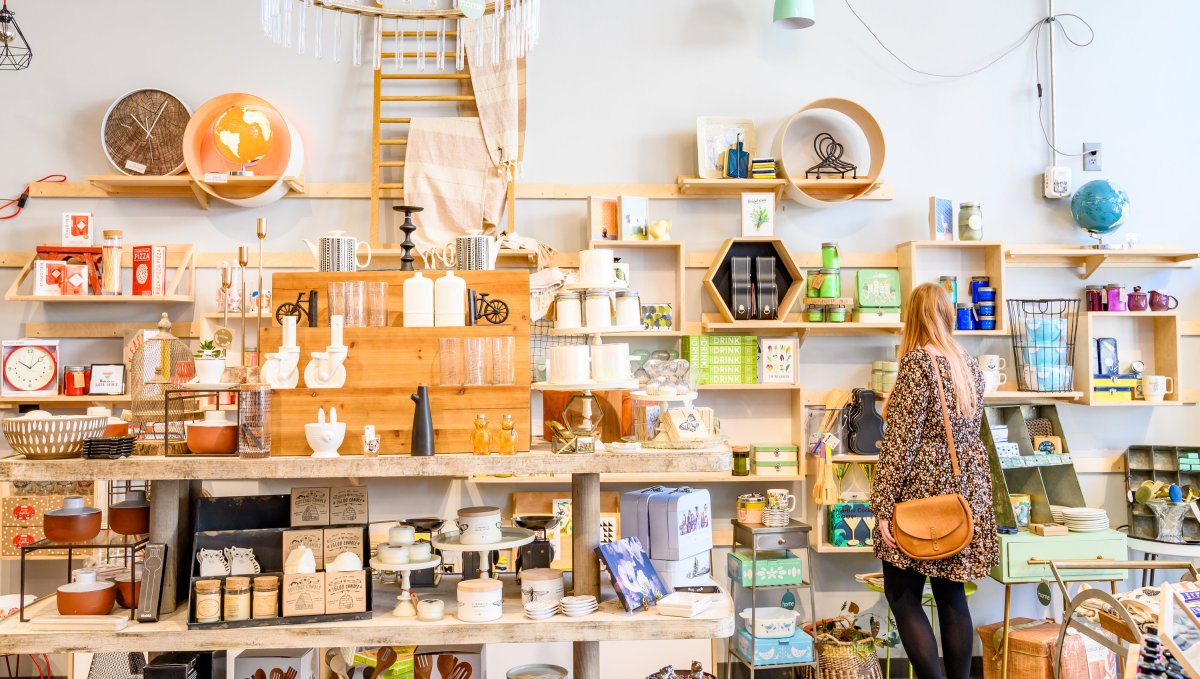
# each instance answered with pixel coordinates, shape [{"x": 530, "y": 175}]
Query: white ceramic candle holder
[
  {"x": 280, "y": 370},
  {"x": 326, "y": 369}
]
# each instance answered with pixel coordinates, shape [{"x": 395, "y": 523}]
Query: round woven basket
[
  {"x": 847, "y": 660},
  {"x": 54, "y": 438}
]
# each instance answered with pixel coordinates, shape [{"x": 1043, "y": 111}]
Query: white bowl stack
[
  {"x": 578, "y": 606},
  {"x": 541, "y": 610},
  {"x": 1085, "y": 519}
]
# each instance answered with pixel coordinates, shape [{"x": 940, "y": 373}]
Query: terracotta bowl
[
  {"x": 116, "y": 430},
  {"x": 127, "y": 592},
  {"x": 129, "y": 520},
  {"x": 205, "y": 439},
  {"x": 72, "y": 527},
  {"x": 93, "y": 602}
]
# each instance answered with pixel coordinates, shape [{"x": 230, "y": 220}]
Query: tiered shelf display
[
  {"x": 925, "y": 261},
  {"x": 656, "y": 272},
  {"x": 1149, "y": 336},
  {"x": 181, "y": 282}
]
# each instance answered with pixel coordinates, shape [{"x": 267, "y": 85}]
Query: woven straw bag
[{"x": 845, "y": 659}]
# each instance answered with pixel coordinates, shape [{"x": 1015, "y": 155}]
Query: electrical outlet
[{"x": 1091, "y": 157}]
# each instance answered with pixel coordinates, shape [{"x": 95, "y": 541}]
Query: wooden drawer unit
[{"x": 1017, "y": 550}]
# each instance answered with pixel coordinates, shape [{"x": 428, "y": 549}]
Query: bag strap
[{"x": 937, "y": 375}]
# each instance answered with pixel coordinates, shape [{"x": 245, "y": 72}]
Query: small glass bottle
[
  {"x": 237, "y": 598},
  {"x": 741, "y": 460},
  {"x": 110, "y": 262},
  {"x": 508, "y": 436},
  {"x": 208, "y": 601},
  {"x": 481, "y": 439},
  {"x": 266, "y": 597}
]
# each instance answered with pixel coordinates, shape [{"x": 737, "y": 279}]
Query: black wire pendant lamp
[{"x": 15, "y": 53}]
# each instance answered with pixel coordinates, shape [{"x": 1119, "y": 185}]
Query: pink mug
[{"x": 1161, "y": 301}]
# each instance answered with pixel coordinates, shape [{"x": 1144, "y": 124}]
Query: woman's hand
[{"x": 885, "y": 530}]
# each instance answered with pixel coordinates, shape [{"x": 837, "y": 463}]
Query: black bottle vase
[{"x": 422, "y": 426}]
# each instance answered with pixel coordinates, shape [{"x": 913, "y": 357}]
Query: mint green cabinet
[{"x": 1017, "y": 550}]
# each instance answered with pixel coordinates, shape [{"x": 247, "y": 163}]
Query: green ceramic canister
[{"x": 831, "y": 283}]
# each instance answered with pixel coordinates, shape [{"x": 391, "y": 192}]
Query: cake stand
[
  {"x": 405, "y": 608},
  {"x": 510, "y": 538}
]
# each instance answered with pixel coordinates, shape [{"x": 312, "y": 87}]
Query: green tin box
[
  {"x": 773, "y": 568},
  {"x": 878, "y": 287}
]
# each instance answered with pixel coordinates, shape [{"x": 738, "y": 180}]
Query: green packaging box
[
  {"x": 773, "y": 568},
  {"x": 878, "y": 287}
]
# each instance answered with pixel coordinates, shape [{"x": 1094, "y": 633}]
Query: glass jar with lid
[
  {"x": 266, "y": 597},
  {"x": 110, "y": 262},
  {"x": 830, "y": 257},
  {"x": 629, "y": 309},
  {"x": 741, "y": 460},
  {"x": 75, "y": 380},
  {"x": 237, "y": 598},
  {"x": 970, "y": 221},
  {"x": 597, "y": 309},
  {"x": 208, "y": 601},
  {"x": 568, "y": 310}
]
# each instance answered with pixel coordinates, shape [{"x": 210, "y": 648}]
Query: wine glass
[
  {"x": 870, "y": 521},
  {"x": 852, "y": 522}
]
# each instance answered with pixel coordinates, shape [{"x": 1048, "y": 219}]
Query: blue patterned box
[
  {"x": 773, "y": 568},
  {"x": 852, "y": 533},
  {"x": 795, "y": 649}
]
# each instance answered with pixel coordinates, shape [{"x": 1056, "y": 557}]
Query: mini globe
[
  {"x": 242, "y": 134},
  {"x": 1100, "y": 207}
]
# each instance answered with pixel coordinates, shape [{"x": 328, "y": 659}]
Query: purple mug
[{"x": 1161, "y": 301}]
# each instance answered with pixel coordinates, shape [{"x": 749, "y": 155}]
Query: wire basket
[{"x": 1043, "y": 337}]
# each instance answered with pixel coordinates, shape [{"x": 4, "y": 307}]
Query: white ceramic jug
[{"x": 337, "y": 252}]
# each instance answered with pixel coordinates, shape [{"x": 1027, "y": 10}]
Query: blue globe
[{"x": 1100, "y": 207}]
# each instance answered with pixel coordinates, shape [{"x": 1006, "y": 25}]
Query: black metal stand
[
  {"x": 130, "y": 544},
  {"x": 406, "y": 259}
]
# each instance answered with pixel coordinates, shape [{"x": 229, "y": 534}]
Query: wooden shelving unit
[
  {"x": 180, "y": 289},
  {"x": 62, "y": 400},
  {"x": 728, "y": 188},
  {"x": 925, "y": 261},
  {"x": 820, "y": 523},
  {"x": 1153, "y": 336},
  {"x": 714, "y": 323},
  {"x": 1088, "y": 260},
  {"x": 174, "y": 186}
]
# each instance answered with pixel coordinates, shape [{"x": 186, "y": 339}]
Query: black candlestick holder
[{"x": 406, "y": 258}]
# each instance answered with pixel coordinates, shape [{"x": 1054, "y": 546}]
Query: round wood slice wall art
[{"x": 143, "y": 133}]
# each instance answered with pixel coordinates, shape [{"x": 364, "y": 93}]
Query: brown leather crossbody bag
[{"x": 935, "y": 528}]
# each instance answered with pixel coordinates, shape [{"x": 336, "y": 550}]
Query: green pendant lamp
[{"x": 795, "y": 13}]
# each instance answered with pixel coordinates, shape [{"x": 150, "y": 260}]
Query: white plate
[
  {"x": 581, "y": 599},
  {"x": 1088, "y": 530}
]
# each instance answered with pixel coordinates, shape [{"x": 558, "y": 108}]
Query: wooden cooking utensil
[{"x": 834, "y": 401}]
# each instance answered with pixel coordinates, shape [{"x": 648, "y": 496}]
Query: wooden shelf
[
  {"x": 157, "y": 468},
  {"x": 1089, "y": 260},
  {"x": 823, "y": 548},
  {"x": 180, "y": 284},
  {"x": 102, "y": 299},
  {"x": 61, "y": 399},
  {"x": 728, "y": 188},
  {"x": 609, "y": 623},
  {"x": 181, "y": 186},
  {"x": 749, "y": 387},
  {"x": 834, "y": 189},
  {"x": 1155, "y": 334},
  {"x": 625, "y": 477},
  {"x": 998, "y": 332},
  {"x": 1001, "y": 397},
  {"x": 713, "y": 323},
  {"x": 594, "y": 244}
]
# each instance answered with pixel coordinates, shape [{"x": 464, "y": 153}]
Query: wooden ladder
[{"x": 388, "y": 146}]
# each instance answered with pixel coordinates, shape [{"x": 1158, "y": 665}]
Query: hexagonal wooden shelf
[{"x": 718, "y": 283}]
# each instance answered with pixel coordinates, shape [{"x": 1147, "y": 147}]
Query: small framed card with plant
[{"x": 758, "y": 213}]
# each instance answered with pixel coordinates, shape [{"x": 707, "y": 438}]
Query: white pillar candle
[
  {"x": 336, "y": 322},
  {"x": 596, "y": 267},
  {"x": 289, "y": 331}
]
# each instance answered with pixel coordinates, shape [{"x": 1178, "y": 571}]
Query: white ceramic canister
[
  {"x": 598, "y": 309},
  {"x": 402, "y": 534},
  {"x": 596, "y": 267},
  {"x": 541, "y": 584},
  {"x": 418, "y": 302},
  {"x": 568, "y": 365},
  {"x": 430, "y": 610},
  {"x": 420, "y": 552},
  {"x": 479, "y": 525},
  {"x": 450, "y": 301},
  {"x": 610, "y": 362},
  {"x": 629, "y": 309},
  {"x": 568, "y": 310},
  {"x": 480, "y": 600},
  {"x": 394, "y": 554}
]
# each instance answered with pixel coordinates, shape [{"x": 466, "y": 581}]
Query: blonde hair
[{"x": 930, "y": 323}]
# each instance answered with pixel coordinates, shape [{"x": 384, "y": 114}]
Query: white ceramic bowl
[{"x": 771, "y": 622}]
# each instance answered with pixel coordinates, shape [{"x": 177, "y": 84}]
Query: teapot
[{"x": 337, "y": 252}]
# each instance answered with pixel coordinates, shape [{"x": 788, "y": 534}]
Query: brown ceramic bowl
[
  {"x": 79, "y": 527},
  {"x": 129, "y": 520},
  {"x": 93, "y": 602},
  {"x": 127, "y": 592},
  {"x": 116, "y": 430},
  {"x": 207, "y": 439}
]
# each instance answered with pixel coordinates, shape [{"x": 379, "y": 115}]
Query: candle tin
[
  {"x": 750, "y": 507},
  {"x": 987, "y": 323},
  {"x": 985, "y": 309},
  {"x": 965, "y": 320}
]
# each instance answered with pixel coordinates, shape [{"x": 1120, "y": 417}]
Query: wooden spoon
[{"x": 384, "y": 660}]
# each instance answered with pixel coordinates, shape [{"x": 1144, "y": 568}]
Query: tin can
[
  {"x": 965, "y": 320},
  {"x": 831, "y": 283},
  {"x": 830, "y": 257},
  {"x": 750, "y": 507},
  {"x": 950, "y": 285}
]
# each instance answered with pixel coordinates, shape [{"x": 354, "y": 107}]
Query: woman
[{"x": 914, "y": 463}]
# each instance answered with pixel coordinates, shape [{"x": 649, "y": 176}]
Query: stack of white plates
[
  {"x": 578, "y": 606},
  {"x": 1056, "y": 511},
  {"x": 541, "y": 610},
  {"x": 1085, "y": 520}
]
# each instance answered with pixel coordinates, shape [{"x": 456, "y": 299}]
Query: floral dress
[{"x": 914, "y": 463}]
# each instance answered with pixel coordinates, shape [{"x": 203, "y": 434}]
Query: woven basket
[
  {"x": 845, "y": 660},
  {"x": 53, "y": 438}
]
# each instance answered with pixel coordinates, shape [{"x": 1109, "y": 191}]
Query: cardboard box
[
  {"x": 302, "y": 660},
  {"x": 345, "y": 592},
  {"x": 303, "y": 594},
  {"x": 797, "y": 648},
  {"x": 348, "y": 504},
  {"x": 690, "y": 572},
  {"x": 48, "y": 277},
  {"x": 149, "y": 270},
  {"x": 878, "y": 288},
  {"x": 310, "y": 506},
  {"x": 77, "y": 228},
  {"x": 1031, "y": 651},
  {"x": 338, "y": 540},
  {"x": 75, "y": 279},
  {"x": 13, "y": 538},
  {"x": 313, "y": 538},
  {"x": 772, "y": 568},
  {"x": 841, "y": 533},
  {"x": 29, "y": 510},
  {"x": 1048, "y": 529}
]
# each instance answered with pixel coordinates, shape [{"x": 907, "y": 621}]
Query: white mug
[
  {"x": 992, "y": 379},
  {"x": 1156, "y": 387},
  {"x": 992, "y": 362},
  {"x": 781, "y": 499}
]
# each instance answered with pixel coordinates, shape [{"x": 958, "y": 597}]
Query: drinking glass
[
  {"x": 337, "y": 300},
  {"x": 355, "y": 316},
  {"x": 450, "y": 361},
  {"x": 503, "y": 349},
  {"x": 478, "y": 350},
  {"x": 377, "y": 311}
]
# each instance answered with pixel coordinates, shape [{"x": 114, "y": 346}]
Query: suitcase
[
  {"x": 766, "y": 289},
  {"x": 741, "y": 288},
  {"x": 680, "y": 524},
  {"x": 694, "y": 571},
  {"x": 635, "y": 513}
]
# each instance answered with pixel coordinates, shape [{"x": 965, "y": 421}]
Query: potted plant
[
  {"x": 845, "y": 648},
  {"x": 210, "y": 363}
]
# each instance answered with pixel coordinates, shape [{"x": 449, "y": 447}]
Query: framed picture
[
  {"x": 603, "y": 223},
  {"x": 634, "y": 214},
  {"x": 777, "y": 360},
  {"x": 77, "y": 228},
  {"x": 633, "y": 576},
  {"x": 714, "y": 136},
  {"x": 941, "y": 218},
  {"x": 758, "y": 213},
  {"x": 107, "y": 379}
]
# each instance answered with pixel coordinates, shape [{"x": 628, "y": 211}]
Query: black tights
[{"x": 904, "y": 590}]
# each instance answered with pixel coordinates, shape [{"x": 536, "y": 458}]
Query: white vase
[
  {"x": 418, "y": 302},
  {"x": 209, "y": 370},
  {"x": 450, "y": 301}
]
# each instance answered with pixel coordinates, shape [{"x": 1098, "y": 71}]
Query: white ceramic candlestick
[
  {"x": 325, "y": 370},
  {"x": 280, "y": 370}
]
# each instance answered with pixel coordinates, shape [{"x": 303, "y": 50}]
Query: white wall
[{"x": 614, "y": 91}]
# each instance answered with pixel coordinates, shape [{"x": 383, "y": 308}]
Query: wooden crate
[{"x": 385, "y": 365}]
